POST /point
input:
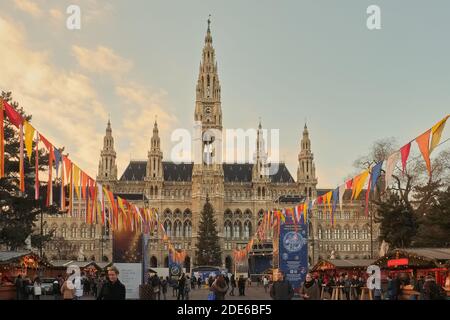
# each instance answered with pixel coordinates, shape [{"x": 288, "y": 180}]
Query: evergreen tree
[
  {"x": 207, "y": 248},
  {"x": 398, "y": 224},
  {"x": 434, "y": 230},
  {"x": 20, "y": 212}
]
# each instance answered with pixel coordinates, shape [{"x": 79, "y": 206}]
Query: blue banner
[
  {"x": 293, "y": 252},
  {"x": 175, "y": 268}
]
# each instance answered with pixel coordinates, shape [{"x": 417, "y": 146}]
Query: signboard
[
  {"x": 130, "y": 276},
  {"x": 293, "y": 253},
  {"x": 398, "y": 262}
]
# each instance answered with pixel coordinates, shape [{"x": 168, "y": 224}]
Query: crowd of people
[{"x": 71, "y": 287}]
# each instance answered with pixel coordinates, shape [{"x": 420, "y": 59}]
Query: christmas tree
[
  {"x": 207, "y": 248},
  {"x": 20, "y": 212}
]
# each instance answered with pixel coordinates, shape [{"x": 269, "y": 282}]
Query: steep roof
[{"x": 233, "y": 172}]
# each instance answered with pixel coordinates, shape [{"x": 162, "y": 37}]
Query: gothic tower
[
  {"x": 260, "y": 171},
  {"x": 107, "y": 168},
  {"x": 154, "y": 171},
  {"x": 207, "y": 175},
  {"x": 306, "y": 172}
]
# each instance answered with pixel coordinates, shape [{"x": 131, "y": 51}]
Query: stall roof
[
  {"x": 66, "y": 263},
  {"x": 6, "y": 256},
  {"x": 430, "y": 253},
  {"x": 341, "y": 263}
]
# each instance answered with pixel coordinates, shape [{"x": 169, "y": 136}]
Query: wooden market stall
[
  {"x": 412, "y": 263},
  {"x": 337, "y": 266},
  {"x": 14, "y": 263},
  {"x": 89, "y": 268}
]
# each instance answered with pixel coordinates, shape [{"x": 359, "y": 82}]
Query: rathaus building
[{"x": 238, "y": 192}]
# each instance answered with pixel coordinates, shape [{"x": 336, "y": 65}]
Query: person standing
[
  {"x": 310, "y": 289},
  {"x": 113, "y": 289},
  {"x": 233, "y": 284},
  {"x": 56, "y": 290},
  {"x": 265, "y": 284},
  {"x": 37, "y": 288},
  {"x": 164, "y": 284},
  {"x": 432, "y": 291},
  {"x": 187, "y": 288},
  {"x": 156, "y": 286},
  {"x": 282, "y": 289},
  {"x": 78, "y": 288},
  {"x": 241, "y": 285},
  {"x": 199, "y": 282},
  {"x": 219, "y": 287},
  {"x": 68, "y": 290},
  {"x": 19, "y": 287},
  {"x": 193, "y": 282},
  {"x": 181, "y": 284}
]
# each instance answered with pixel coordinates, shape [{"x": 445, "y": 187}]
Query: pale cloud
[
  {"x": 141, "y": 105},
  {"x": 64, "y": 104},
  {"x": 102, "y": 60},
  {"x": 56, "y": 15},
  {"x": 29, "y": 7}
]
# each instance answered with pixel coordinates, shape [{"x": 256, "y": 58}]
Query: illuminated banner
[
  {"x": 398, "y": 262},
  {"x": 293, "y": 252}
]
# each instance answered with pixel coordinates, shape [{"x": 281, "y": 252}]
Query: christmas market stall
[
  {"x": 14, "y": 263},
  {"x": 88, "y": 268},
  {"x": 338, "y": 266},
  {"x": 411, "y": 264}
]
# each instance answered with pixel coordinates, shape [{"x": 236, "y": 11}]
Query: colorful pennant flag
[
  {"x": 360, "y": 183},
  {"x": 14, "y": 117},
  {"x": 21, "y": 164},
  {"x": 436, "y": 130},
  {"x": 390, "y": 166},
  {"x": 424, "y": 142},
  {"x": 29, "y": 135},
  {"x": 2, "y": 143},
  {"x": 375, "y": 174},
  {"x": 405, "y": 154},
  {"x": 36, "y": 170}
]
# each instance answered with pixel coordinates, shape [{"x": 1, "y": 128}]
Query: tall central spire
[{"x": 208, "y": 106}]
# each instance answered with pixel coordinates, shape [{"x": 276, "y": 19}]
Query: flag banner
[
  {"x": 361, "y": 182},
  {"x": 36, "y": 170},
  {"x": 390, "y": 166},
  {"x": 76, "y": 180},
  {"x": 293, "y": 252},
  {"x": 14, "y": 117},
  {"x": 2, "y": 143},
  {"x": 375, "y": 174},
  {"x": 29, "y": 135},
  {"x": 423, "y": 142},
  {"x": 49, "y": 147},
  {"x": 405, "y": 154},
  {"x": 436, "y": 130},
  {"x": 341, "y": 195},
  {"x": 21, "y": 164}
]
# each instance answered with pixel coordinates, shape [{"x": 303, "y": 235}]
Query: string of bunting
[
  {"x": 427, "y": 142},
  {"x": 103, "y": 207}
]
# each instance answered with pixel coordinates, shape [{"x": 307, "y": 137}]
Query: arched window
[
  {"x": 346, "y": 233},
  {"x": 64, "y": 231},
  {"x": 187, "y": 229},
  {"x": 237, "y": 230},
  {"x": 73, "y": 231},
  {"x": 247, "y": 229},
  {"x": 177, "y": 229},
  {"x": 319, "y": 233},
  {"x": 168, "y": 227},
  {"x": 337, "y": 233},
  {"x": 228, "y": 229}
]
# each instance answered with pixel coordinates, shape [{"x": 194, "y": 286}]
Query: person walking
[
  {"x": 219, "y": 287},
  {"x": 265, "y": 284},
  {"x": 432, "y": 291},
  {"x": 37, "y": 288},
  {"x": 156, "y": 286},
  {"x": 113, "y": 289},
  {"x": 233, "y": 284},
  {"x": 56, "y": 290},
  {"x": 281, "y": 289},
  {"x": 199, "y": 282},
  {"x": 181, "y": 284},
  {"x": 164, "y": 284},
  {"x": 68, "y": 290},
  {"x": 241, "y": 285},
  {"x": 310, "y": 289},
  {"x": 193, "y": 282},
  {"x": 78, "y": 288},
  {"x": 19, "y": 287},
  {"x": 187, "y": 288}
]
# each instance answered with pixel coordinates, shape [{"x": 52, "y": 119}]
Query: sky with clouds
[{"x": 281, "y": 61}]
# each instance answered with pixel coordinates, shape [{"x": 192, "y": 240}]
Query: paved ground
[{"x": 251, "y": 293}]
